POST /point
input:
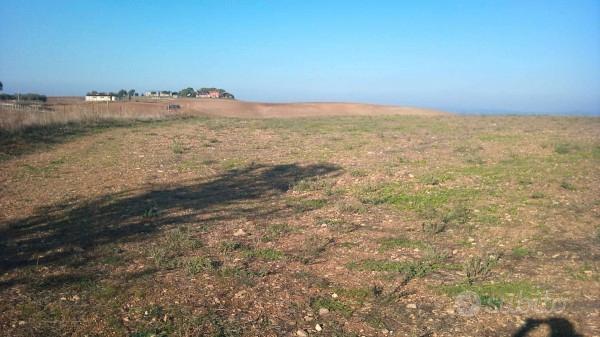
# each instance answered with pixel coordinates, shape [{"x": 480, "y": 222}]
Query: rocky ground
[{"x": 432, "y": 225}]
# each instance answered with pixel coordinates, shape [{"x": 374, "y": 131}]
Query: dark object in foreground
[
  {"x": 173, "y": 107},
  {"x": 559, "y": 327}
]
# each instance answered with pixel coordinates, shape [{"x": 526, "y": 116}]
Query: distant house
[
  {"x": 100, "y": 97},
  {"x": 160, "y": 94},
  {"x": 227, "y": 95},
  {"x": 214, "y": 94}
]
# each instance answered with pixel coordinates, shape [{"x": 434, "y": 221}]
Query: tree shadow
[
  {"x": 66, "y": 232},
  {"x": 36, "y": 138},
  {"x": 559, "y": 327}
]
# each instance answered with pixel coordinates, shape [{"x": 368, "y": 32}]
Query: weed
[
  {"x": 433, "y": 180},
  {"x": 331, "y": 304},
  {"x": 399, "y": 242},
  {"x": 495, "y": 295},
  {"x": 564, "y": 148},
  {"x": 478, "y": 268},
  {"x": 265, "y": 254},
  {"x": 151, "y": 212},
  {"x": 359, "y": 173},
  {"x": 537, "y": 195},
  {"x": 305, "y": 205},
  {"x": 177, "y": 147},
  {"x": 312, "y": 249},
  {"x": 275, "y": 231},
  {"x": 520, "y": 252},
  {"x": 172, "y": 245},
  {"x": 230, "y": 246},
  {"x": 351, "y": 207},
  {"x": 434, "y": 227},
  {"x": 567, "y": 185},
  {"x": 197, "y": 264},
  {"x": 410, "y": 269},
  {"x": 420, "y": 201}
]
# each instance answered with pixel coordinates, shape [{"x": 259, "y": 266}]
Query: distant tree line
[
  {"x": 191, "y": 92},
  {"x": 23, "y": 97},
  {"x": 120, "y": 94}
]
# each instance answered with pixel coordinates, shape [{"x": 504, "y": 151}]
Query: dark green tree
[
  {"x": 1, "y": 86},
  {"x": 122, "y": 93},
  {"x": 187, "y": 92}
]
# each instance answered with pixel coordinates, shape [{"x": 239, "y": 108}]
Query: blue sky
[{"x": 476, "y": 56}]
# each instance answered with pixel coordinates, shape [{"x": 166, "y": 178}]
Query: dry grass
[
  {"x": 249, "y": 227},
  {"x": 14, "y": 120}
]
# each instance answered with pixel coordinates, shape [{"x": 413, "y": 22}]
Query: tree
[
  {"x": 187, "y": 92},
  {"x": 131, "y": 92},
  {"x": 1, "y": 86},
  {"x": 122, "y": 93}
]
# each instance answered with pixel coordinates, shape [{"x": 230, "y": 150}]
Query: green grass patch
[
  {"x": 386, "y": 244},
  {"x": 268, "y": 254},
  {"x": 410, "y": 269},
  {"x": 275, "y": 231},
  {"x": 495, "y": 295},
  {"x": 305, "y": 205},
  {"x": 421, "y": 201},
  {"x": 520, "y": 252},
  {"x": 333, "y": 305}
]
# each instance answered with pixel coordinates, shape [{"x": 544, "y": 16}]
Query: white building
[{"x": 100, "y": 98}]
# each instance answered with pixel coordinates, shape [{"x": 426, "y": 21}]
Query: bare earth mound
[{"x": 269, "y": 110}]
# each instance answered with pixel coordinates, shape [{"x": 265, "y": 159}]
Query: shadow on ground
[
  {"x": 14, "y": 143},
  {"x": 559, "y": 327},
  {"x": 56, "y": 234}
]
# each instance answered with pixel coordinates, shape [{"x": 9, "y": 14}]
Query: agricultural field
[{"x": 398, "y": 225}]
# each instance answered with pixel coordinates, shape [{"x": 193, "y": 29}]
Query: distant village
[{"x": 212, "y": 93}]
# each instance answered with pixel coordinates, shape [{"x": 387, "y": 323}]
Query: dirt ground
[
  {"x": 390, "y": 223},
  {"x": 242, "y": 109}
]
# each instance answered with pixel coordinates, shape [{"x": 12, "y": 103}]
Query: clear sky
[{"x": 514, "y": 56}]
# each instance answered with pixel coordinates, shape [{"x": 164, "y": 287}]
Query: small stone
[
  {"x": 308, "y": 318},
  {"x": 75, "y": 298},
  {"x": 454, "y": 252},
  {"x": 471, "y": 239},
  {"x": 555, "y": 256},
  {"x": 385, "y": 331},
  {"x": 21, "y": 322},
  {"x": 450, "y": 311},
  {"x": 301, "y": 333},
  {"x": 318, "y": 327},
  {"x": 411, "y": 306},
  {"x": 323, "y": 311},
  {"x": 334, "y": 295},
  {"x": 239, "y": 232}
]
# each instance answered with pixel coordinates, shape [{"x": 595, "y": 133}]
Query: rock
[
  {"x": 334, "y": 295},
  {"x": 301, "y": 333},
  {"x": 323, "y": 311},
  {"x": 239, "y": 232},
  {"x": 308, "y": 318},
  {"x": 318, "y": 327},
  {"x": 411, "y": 306},
  {"x": 21, "y": 322}
]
